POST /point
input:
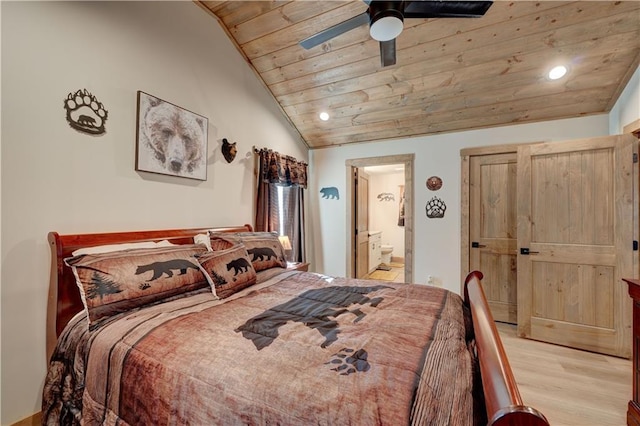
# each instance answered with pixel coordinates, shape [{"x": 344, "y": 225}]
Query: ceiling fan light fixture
[{"x": 386, "y": 26}]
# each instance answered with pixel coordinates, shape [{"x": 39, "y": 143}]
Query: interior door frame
[
  {"x": 361, "y": 214},
  {"x": 465, "y": 214},
  {"x": 407, "y": 160},
  {"x": 634, "y": 129}
]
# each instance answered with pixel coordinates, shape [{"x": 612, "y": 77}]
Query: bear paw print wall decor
[
  {"x": 435, "y": 208},
  {"x": 229, "y": 150},
  {"x": 84, "y": 113}
]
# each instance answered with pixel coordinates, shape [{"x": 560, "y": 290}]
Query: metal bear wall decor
[
  {"x": 229, "y": 150},
  {"x": 330, "y": 192},
  {"x": 84, "y": 113},
  {"x": 436, "y": 208}
]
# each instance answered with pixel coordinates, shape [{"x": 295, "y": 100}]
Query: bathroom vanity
[{"x": 375, "y": 254}]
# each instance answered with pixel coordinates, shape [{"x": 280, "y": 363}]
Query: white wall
[
  {"x": 383, "y": 215},
  {"x": 54, "y": 178},
  {"x": 627, "y": 108},
  {"x": 57, "y": 179},
  {"x": 437, "y": 241}
]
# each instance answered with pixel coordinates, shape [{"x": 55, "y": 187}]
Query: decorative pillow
[
  {"x": 119, "y": 247},
  {"x": 221, "y": 241},
  {"x": 203, "y": 239},
  {"x": 111, "y": 283},
  {"x": 228, "y": 271},
  {"x": 264, "y": 248}
]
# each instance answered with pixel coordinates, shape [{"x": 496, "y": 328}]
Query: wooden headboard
[{"x": 64, "y": 297}]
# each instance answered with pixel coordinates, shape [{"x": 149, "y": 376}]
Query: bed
[{"x": 284, "y": 347}]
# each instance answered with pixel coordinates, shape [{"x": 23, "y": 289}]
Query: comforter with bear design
[{"x": 300, "y": 348}]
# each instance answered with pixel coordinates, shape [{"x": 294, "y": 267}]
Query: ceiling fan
[{"x": 385, "y": 19}]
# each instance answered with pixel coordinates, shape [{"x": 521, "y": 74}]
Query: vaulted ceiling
[{"x": 452, "y": 74}]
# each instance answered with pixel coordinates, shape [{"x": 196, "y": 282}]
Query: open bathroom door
[{"x": 361, "y": 203}]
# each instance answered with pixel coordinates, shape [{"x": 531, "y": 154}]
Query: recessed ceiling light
[
  {"x": 324, "y": 116},
  {"x": 557, "y": 72}
]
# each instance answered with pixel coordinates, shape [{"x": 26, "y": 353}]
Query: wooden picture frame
[{"x": 170, "y": 140}]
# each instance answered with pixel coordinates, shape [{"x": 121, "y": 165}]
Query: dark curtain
[
  {"x": 267, "y": 207},
  {"x": 276, "y": 170}
]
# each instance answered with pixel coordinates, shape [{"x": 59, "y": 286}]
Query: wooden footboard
[{"x": 502, "y": 398}]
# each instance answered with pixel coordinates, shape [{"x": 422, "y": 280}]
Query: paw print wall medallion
[
  {"x": 85, "y": 113},
  {"x": 434, "y": 183},
  {"x": 435, "y": 208}
]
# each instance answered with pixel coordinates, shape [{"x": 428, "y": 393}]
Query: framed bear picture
[{"x": 170, "y": 140}]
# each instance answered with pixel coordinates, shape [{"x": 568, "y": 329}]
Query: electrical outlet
[{"x": 434, "y": 281}]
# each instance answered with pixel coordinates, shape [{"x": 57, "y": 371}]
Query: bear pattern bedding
[{"x": 299, "y": 348}]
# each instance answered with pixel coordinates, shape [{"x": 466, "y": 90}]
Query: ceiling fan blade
[
  {"x": 388, "y": 52},
  {"x": 446, "y": 9},
  {"x": 335, "y": 31}
]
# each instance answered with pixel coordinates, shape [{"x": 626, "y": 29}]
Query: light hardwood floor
[{"x": 570, "y": 387}]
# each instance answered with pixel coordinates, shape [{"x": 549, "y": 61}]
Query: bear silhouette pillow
[
  {"x": 111, "y": 283},
  {"x": 264, "y": 248},
  {"x": 228, "y": 271}
]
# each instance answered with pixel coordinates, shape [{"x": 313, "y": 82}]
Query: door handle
[
  {"x": 476, "y": 244},
  {"x": 525, "y": 251}
]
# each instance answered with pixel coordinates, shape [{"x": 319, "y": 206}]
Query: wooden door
[
  {"x": 493, "y": 230},
  {"x": 575, "y": 218},
  {"x": 361, "y": 204}
]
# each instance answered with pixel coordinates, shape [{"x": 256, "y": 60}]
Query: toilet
[{"x": 385, "y": 251}]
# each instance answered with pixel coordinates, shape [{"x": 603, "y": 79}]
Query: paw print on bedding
[
  {"x": 85, "y": 113},
  {"x": 347, "y": 361}
]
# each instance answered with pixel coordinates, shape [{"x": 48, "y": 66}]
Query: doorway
[
  {"x": 406, "y": 160},
  {"x": 550, "y": 226}
]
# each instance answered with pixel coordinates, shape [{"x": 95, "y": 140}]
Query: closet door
[
  {"x": 493, "y": 230},
  {"x": 575, "y": 240}
]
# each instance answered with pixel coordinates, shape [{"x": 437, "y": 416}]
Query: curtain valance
[{"x": 281, "y": 169}]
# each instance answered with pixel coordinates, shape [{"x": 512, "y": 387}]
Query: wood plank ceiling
[{"x": 452, "y": 74}]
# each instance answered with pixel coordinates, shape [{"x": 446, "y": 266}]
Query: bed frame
[{"x": 502, "y": 398}]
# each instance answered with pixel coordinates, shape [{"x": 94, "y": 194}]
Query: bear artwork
[
  {"x": 238, "y": 265},
  {"x": 262, "y": 253},
  {"x": 166, "y": 267},
  {"x": 318, "y": 309},
  {"x": 330, "y": 192},
  {"x": 436, "y": 208},
  {"x": 229, "y": 150},
  {"x": 171, "y": 140},
  {"x": 85, "y": 113}
]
